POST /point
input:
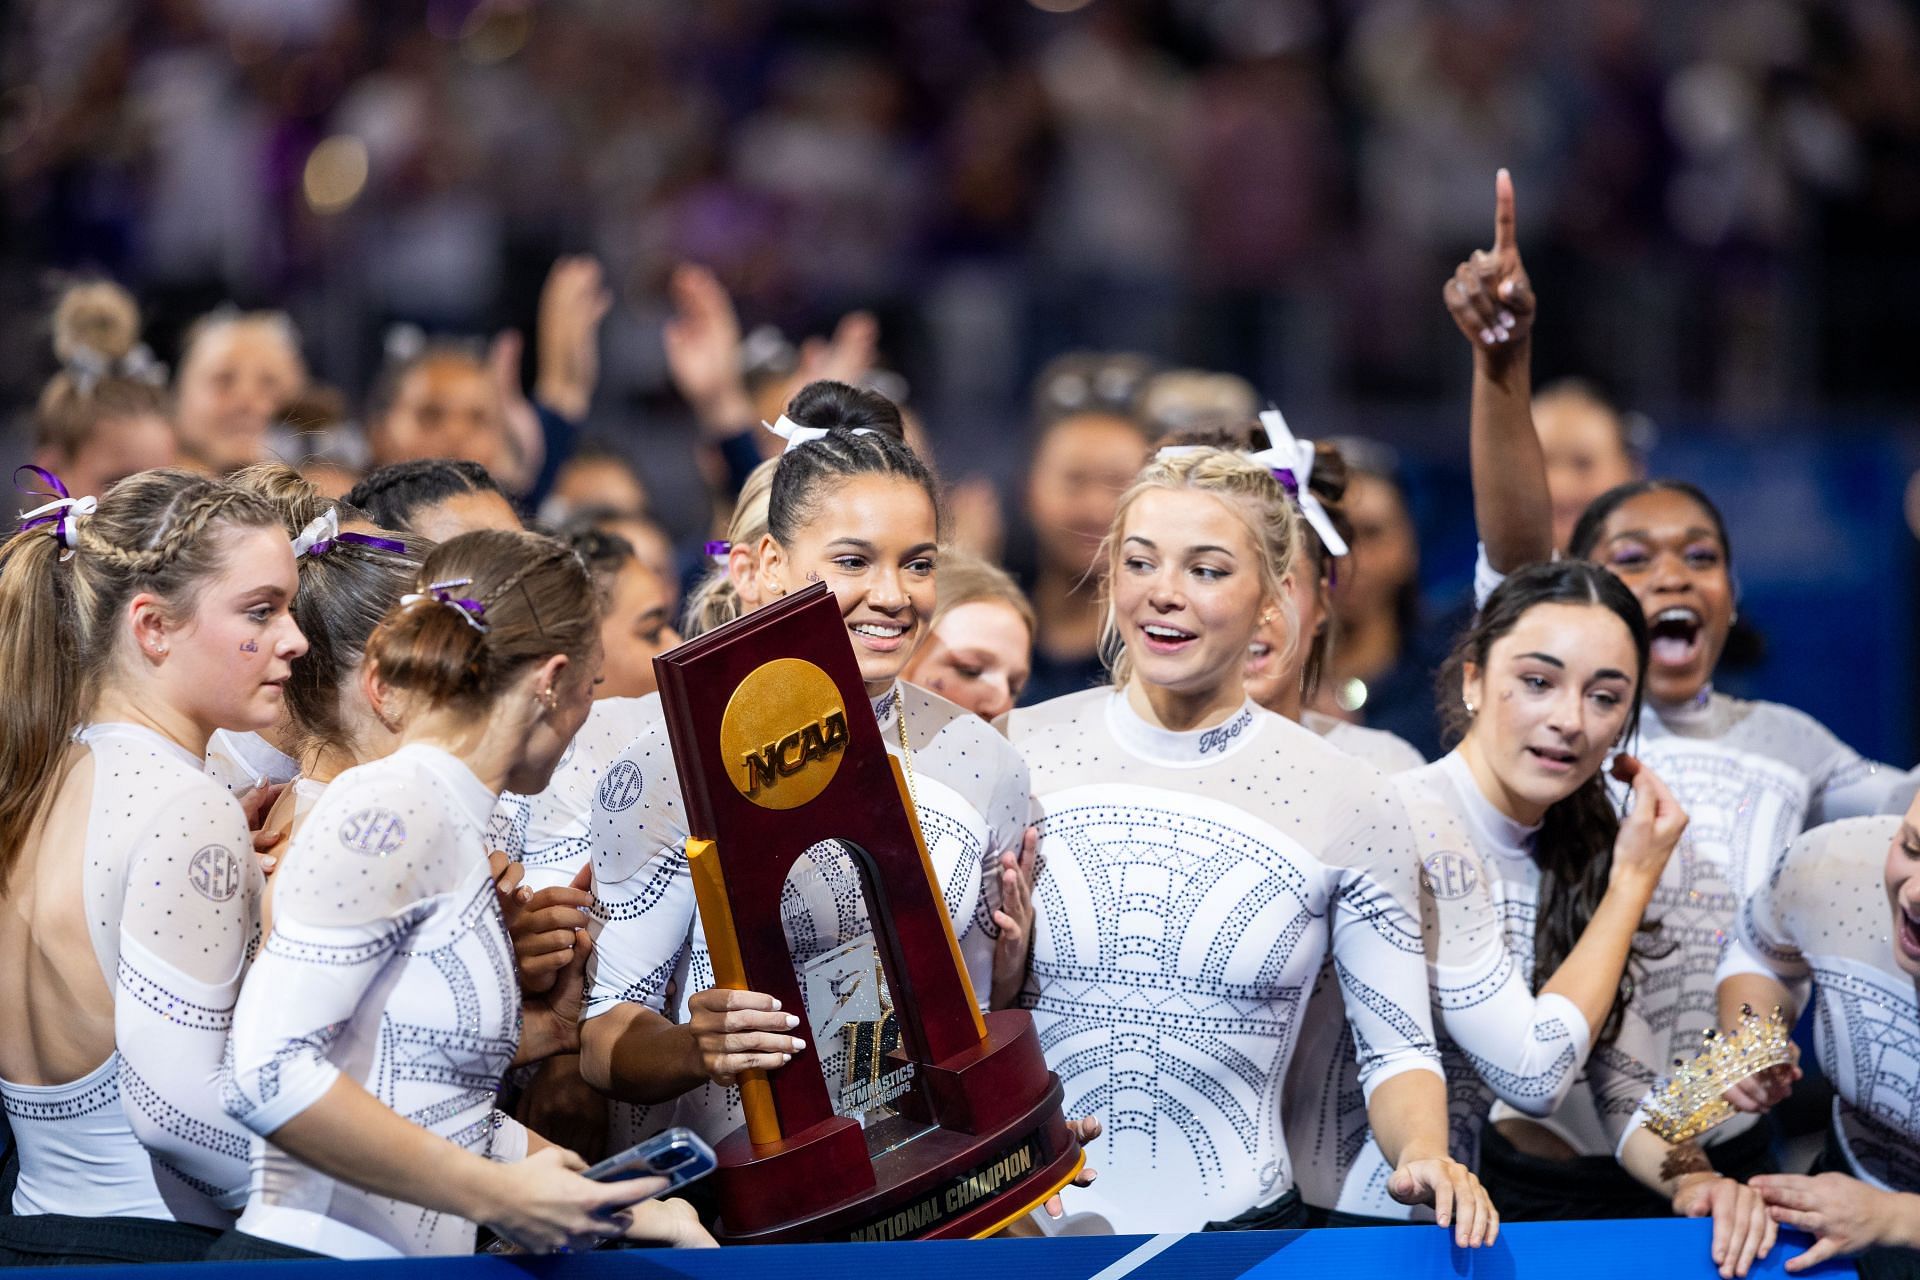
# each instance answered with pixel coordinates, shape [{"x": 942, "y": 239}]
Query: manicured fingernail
[
  {"x": 1486, "y": 336},
  {"x": 1506, "y": 288},
  {"x": 786, "y": 1057},
  {"x": 523, "y": 894},
  {"x": 1506, "y": 319},
  {"x": 776, "y": 1005},
  {"x": 792, "y": 1021},
  {"x": 798, "y": 1044}
]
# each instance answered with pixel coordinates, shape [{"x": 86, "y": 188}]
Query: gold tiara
[{"x": 1688, "y": 1103}]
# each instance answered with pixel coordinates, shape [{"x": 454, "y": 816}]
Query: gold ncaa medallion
[{"x": 783, "y": 733}]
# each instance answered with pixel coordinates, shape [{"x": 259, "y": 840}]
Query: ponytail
[{"x": 64, "y": 587}]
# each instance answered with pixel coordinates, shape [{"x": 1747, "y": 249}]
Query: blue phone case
[{"x": 679, "y": 1155}]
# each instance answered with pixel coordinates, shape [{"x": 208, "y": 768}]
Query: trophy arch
[{"x": 779, "y": 754}]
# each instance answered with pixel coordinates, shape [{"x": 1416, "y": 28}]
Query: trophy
[{"x": 777, "y": 753}]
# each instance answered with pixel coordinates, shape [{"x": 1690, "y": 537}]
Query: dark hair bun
[{"x": 835, "y": 406}]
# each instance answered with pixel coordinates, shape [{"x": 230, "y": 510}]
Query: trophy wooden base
[{"x": 995, "y": 1147}]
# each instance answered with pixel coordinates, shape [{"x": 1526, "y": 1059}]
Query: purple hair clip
[
  {"x": 717, "y": 551},
  {"x": 324, "y": 530},
  {"x": 471, "y": 611},
  {"x": 60, "y": 516}
]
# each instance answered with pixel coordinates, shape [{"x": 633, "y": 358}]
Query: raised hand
[
  {"x": 1489, "y": 295},
  {"x": 1014, "y": 919},
  {"x": 573, "y": 302},
  {"x": 1649, "y": 834},
  {"x": 702, "y": 340},
  {"x": 524, "y": 445},
  {"x": 847, "y": 357}
]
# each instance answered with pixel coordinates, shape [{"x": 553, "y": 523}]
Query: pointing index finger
[{"x": 1503, "y": 233}]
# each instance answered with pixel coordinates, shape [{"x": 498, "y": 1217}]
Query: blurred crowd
[{"x": 1270, "y": 185}]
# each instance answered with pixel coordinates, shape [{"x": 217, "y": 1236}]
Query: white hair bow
[
  {"x": 320, "y": 530},
  {"x": 61, "y": 516},
  {"x": 796, "y": 435},
  {"x": 1291, "y": 462}
]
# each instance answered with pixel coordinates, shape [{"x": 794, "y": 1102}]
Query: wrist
[
  {"x": 1506, "y": 364},
  {"x": 1633, "y": 884},
  {"x": 1688, "y": 1186},
  {"x": 1418, "y": 1150},
  {"x": 480, "y": 1189},
  {"x": 725, "y": 412},
  {"x": 1899, "y": 1220}
]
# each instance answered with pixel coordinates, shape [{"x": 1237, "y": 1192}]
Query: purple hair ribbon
[
  {"x": 717, "y": 551},
  {"x": 471, "y": 611},
  {"x": 61, "y": 516},
  {"x": 324, "y": 530}
]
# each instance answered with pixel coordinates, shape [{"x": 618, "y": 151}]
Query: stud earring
[{"x": 1471, "y": 709}]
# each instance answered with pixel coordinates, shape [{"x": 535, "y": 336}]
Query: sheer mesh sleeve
[
  {"x": 368, "y": 864},
  {"x": 1378, "y": 951},
  {"x": 1529, "y": 1049},
  {"x": 189, "y": 923},
  {"x": 643, "y": 899}
]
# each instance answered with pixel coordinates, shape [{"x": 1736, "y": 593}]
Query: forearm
[
  {"x": 1590, "y": 975},
  {"x": 1511, "y": 507},
  {"x": 1408, "y": 1116},
  {"x": 351, "y": 1135},
  {"x": 634, "y": 1054},
  {"x": 1755, "y": 991}
]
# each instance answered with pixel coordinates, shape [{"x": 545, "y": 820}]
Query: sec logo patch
[
  {"x": 373, "y": 832},
  {"x": 214, "y": 873},
  {"x": 1450, "y": 875},
  {"x": 621, "y": 788}
]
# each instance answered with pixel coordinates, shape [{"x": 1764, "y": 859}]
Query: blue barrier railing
[{"x": 1642, "y": 1249}]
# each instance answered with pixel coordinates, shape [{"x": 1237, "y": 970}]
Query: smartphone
[{"x": 678, "y": 1155}]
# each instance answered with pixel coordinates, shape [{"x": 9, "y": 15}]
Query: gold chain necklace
[{"x": 906, "y": 752}]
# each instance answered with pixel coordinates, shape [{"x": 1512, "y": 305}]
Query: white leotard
[
  {"x": 970, "y": 788},
  {"x": 1388, "y": 752},
  {"x": 173, "y": 907},
  {"x": 1821, "y": 920},
  {"x": 1751, "y": 776},
  {"x": 388, "y": 962},
  {"x": 547, "y": 834},
  {"x": 1479, "y": 889},
  {"x": 242, "y": 761},
  {"x": 1190, "y": 885}
]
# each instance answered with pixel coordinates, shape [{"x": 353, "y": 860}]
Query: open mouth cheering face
[
  {"x": 1188, "y": 590},
  {"x": 1670, "y": 553}
]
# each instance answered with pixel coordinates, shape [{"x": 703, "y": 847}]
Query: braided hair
[
  {"x": 156, "y": 532},
  {"x": 865, "y": 437},
  {"x": 521, "y": 598}
]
